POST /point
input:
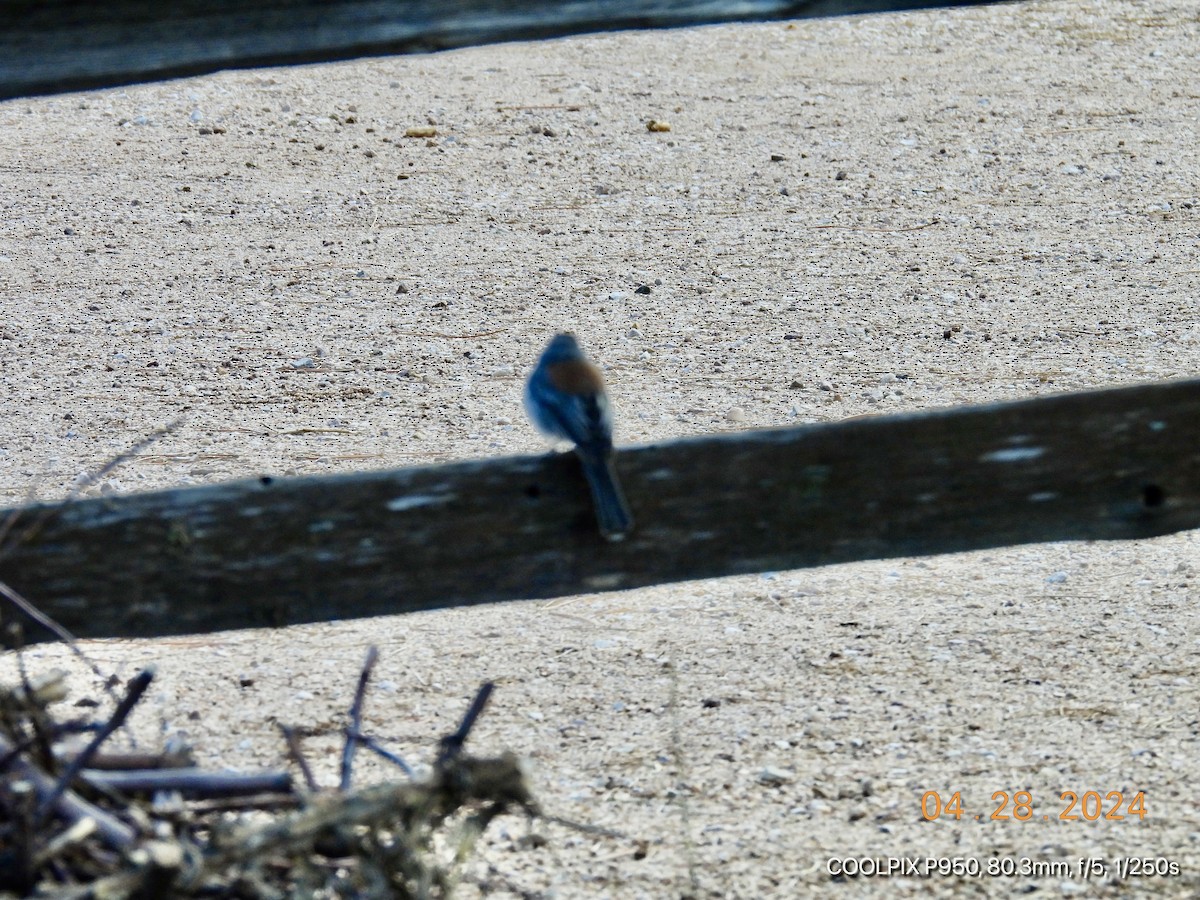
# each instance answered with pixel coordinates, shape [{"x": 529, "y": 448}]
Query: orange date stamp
[{"x": 1072, "y": 806}]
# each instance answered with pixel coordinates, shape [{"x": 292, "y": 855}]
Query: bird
[{"x": 565, "y": 399}]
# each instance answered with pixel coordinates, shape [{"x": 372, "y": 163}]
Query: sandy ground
[{"x": 266, "y": 253}]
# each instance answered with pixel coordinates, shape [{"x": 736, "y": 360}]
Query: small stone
[
  {"x": 773, "y": 776},
  {"x": 736, "y": 414},
  {"x": 642, "y": 289},
  {"x": 840, "y": 176},
  {"x": 421, "y": 131},
  {"x": 1056, "y": 578},
  {"x": 657, "y": 126},
  {"x": 306, "y": 362}
]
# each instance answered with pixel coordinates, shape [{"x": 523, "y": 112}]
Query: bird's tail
[{"x": 612, "y": 512}]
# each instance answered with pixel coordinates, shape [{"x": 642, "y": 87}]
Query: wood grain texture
[
  {"x": 52, "y": 46},
  {"x": 1097, "y": 465}
]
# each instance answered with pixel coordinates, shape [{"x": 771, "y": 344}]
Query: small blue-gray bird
[{"x": 565, "y": 399}]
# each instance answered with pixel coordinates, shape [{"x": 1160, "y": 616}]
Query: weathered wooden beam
[
  {"x": 53, "y": 46},
  {"x": 1113, "y": 464}
]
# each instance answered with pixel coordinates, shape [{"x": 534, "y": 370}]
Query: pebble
[
  {"x": 736, "y": 414},
  {"x": 306, "y": 362},
  {"x": 772, "y": 775},
  {"x": 1056, "y": 578}
]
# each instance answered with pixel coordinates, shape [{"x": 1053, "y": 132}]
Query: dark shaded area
[
  {"x": 1095, "y": 465},
  {"x": 68, "y": 45}
]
